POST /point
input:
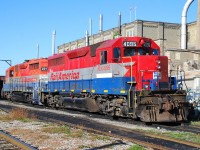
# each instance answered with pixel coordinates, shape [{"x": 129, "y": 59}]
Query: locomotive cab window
[
  {"x": 155, "y": 52},
  {"x": 129, "y": 52},
  {"x": 143, "y": 52},
  {"x": 103, "y": 57},
  {"x": 116, "y": 54},
  {"x": 11, "y": 73}
]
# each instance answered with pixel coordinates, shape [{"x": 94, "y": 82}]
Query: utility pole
[{"x": 131, "y": 13}]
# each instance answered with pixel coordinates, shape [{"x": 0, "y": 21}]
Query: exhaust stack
[
  {"x": 90, "y": 26},
  {"x": 86, "y": 38},
  {"x": 53, "y": 41},
  {"x": 183, "y": 25},
  {"x": 119, "y": 24},
  {"x": 100, "y": 23},
  {"x": 37, "y": 50}
]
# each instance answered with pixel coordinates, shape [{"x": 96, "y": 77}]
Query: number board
[{"x": 129, "y": 44}]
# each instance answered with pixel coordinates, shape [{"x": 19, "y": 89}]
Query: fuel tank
[{"x": 85, "y": 104}]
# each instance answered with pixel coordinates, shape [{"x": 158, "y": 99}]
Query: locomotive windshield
[
  {"x": 143, "y": 52},
  {"x": 155, "y": 52},
  {"x": 139, "y": 51},
  {"x": 116, "y": 54},
  {"x": 129, "y": 52}
]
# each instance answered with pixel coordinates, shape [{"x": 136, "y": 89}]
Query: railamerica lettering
[{"x": 64, "y": 76}]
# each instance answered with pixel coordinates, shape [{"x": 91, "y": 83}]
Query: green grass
[
  {"x": 25, "y": 120},
  {"x": 136, "y": 147},
  {"x": 186, "y": 136},
  {"x": 57, "y": 129},
  {"x": 196, "y": 123},
  {"x": 99, "y": 137}
]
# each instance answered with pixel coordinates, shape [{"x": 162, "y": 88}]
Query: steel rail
[
  {"x": 129, "y": 131},
  {"x": 15, "y": 141},
  {"x": 110, "y": 134}
]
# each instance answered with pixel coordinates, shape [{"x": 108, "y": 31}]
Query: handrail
[{"x": 131, "y": 79}]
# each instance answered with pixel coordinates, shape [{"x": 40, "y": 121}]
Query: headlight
[
  {"x": 158, "y": 61},
  {"x": 146, "y": 86}
]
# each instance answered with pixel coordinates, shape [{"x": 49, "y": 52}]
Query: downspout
[{"x": 183, "y": 25}]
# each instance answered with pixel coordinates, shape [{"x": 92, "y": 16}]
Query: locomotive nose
[{"x": 153, "y": 72}]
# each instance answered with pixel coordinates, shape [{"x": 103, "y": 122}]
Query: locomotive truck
[{"x": 123, "y": 77}]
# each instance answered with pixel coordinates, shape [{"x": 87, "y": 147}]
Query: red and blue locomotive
[{"x": 123, "y": 77}]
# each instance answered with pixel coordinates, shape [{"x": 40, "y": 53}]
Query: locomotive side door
[
  {"x": 35, "y": 86},
  {"x": 103, "y": 72}
]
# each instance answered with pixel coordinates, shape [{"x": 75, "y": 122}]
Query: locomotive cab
[
  {"x": 146, "y": 67},
  {"x": 134, "y": 67}
]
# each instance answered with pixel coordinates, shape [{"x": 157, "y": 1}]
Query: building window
[
  {"x": 196, "y": 57},
  {"x": 178, "y": 56},
  {"x": 129, "y": 33}
]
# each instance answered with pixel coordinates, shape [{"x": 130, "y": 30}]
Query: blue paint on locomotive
[
  {"x": 116, "y": 85},
  {"x": 154, "y": 84}
]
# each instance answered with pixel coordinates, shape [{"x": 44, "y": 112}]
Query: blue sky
[{"x": 24, "y": 23}]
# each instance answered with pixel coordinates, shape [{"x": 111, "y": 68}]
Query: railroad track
[
  {"x": 184, "y": 128},
  {"x": 8, "y": 142},
  {"x": 141, "y": 138}
]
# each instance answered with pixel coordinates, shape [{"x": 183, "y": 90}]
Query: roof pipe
[
  {"x": 90, "y": 26},
  {"x": 37, "y": 50},
  {"x": 119, "y": 24},
  {"x": 86, "y": 38},
  {"x": 53, "y": 41},
  {"x": 100, "y": 23},
  {"x": 183, "y": 24}
]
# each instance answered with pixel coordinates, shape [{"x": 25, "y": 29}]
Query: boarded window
[
  {"x": 34, "y": 66},
  {"x": 56, "y": 61}
]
